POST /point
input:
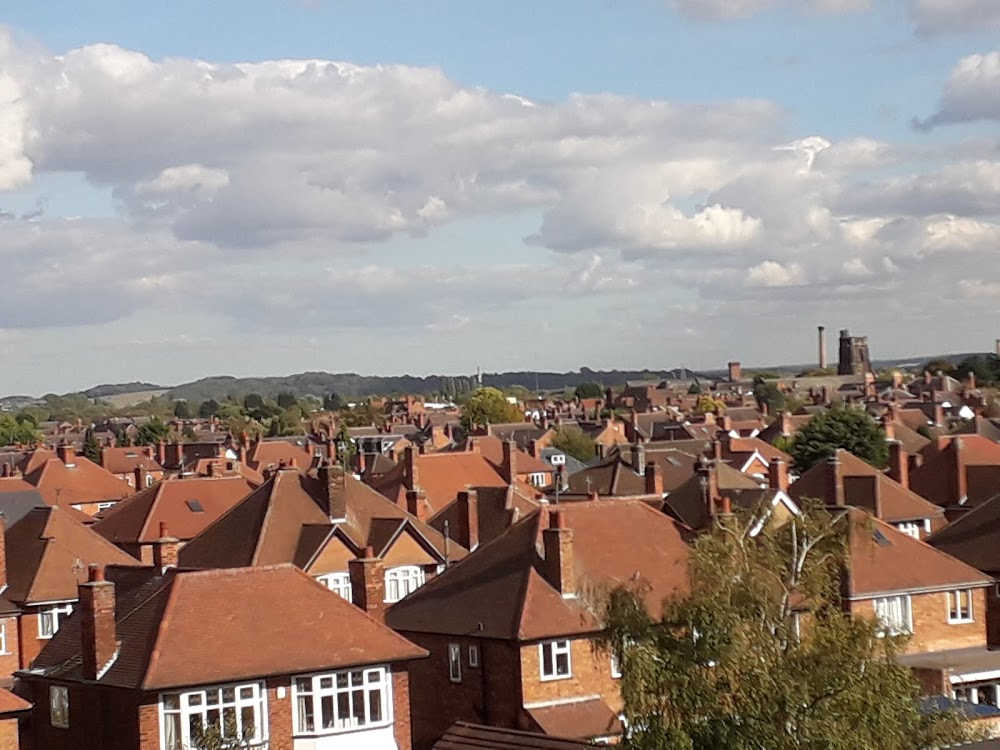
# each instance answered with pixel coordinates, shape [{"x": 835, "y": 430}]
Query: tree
[
  {"x": 253, "y": 401},
  {"x": 182, "y": 410},
  {"x": 287, "y": 399},
  {"x": 91, "y": 448},
  {"x": 333, "y": 402},
  {"x": 574, "y": 442},
  {"x": 489, "y": 406},
  {"x": 941, "y": 365},
  {"x": 986, "y": 368},
  {"x": 153, "y": 432},
  {"x": 851, "y": 429},
  {"x": 760, "y": 653},
  {"x": 706, "y": 403},
  {"x": 768, "y": 395},
  {"x": 589, "y": 390},
  {"x": 209, "y": 408},
  {"x": 13, "y": 431}
]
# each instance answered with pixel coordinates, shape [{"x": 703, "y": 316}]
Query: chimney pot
[
  {"x": 508, "y": 469},
  {"x": 367, "y": 575},
  {"x": 777, "y": 474},
  {"x": 98, "y": 637}
]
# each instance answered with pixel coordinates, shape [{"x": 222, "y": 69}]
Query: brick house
[
  {"x": 187, "y": 506},
  {"x": 46, "y": 554},
  {"x": 510, "y": 629},
  {"x": 845, "y": 479},
  {"x": 957, "y": 473},
  {"x": 320, "y": 524},
  {"x": 136, "y": 466},
  {"x": 153, "y": 655}
]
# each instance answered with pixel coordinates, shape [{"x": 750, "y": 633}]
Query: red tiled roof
[
  {"x": 499, "y": 592},
  {"x": 272, "y": 452},
  {"x": 577, "y": 719},
  {"x": 48, "y": 552},
  {"x": 441, "y": 476},
  {"x": 190, "y": 628},
  {"x": 81, "y": 483},
  {"x": 186, "y": 505},
  {"x": 11, "y": 704},
  {"x": 127, "y": 460},
  {"x": 464, "y": 736},
  {"x": 973, "y": 538},
  {"x": 937, "y": 479}
]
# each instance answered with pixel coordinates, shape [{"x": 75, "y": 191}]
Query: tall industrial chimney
[{"x": 822, "y": 347}]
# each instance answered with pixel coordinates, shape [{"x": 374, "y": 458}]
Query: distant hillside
[{"x": 102, "y": 391}]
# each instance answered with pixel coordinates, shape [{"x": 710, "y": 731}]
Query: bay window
[
  {"x": 237, "y": 712},
  {"x": 402, "y": 581},
  {"x": 342, "y": 701}
]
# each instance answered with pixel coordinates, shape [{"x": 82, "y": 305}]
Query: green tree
[
  {"x": 182, "y": 410},
  {"x": 153, "y": 432},
  {"x": 12, "y": 431},
  {"x": 253, "y": 401},
  {"x": 589, "y": 390},
  {"x": 489, "y": 406},
  {"x": 209, "y": 408},
  {"x": 851, "y": 429},
  {"x": 768, "y": 395},
  {"x": 986, "y": 368},
  {"x": 707, "y": 403},
  {"x": 574, "y": 442},
  {"x": 91, "y": 448},
  {"x": 333, "y": 402},
  {"x": 761, "y": 654},
  {"x": 286, "y": 400},
  {"x": 940, "y": 365},
  {"x": 189, "y": 434}
]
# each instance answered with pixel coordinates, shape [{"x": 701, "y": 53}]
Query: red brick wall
[
  {"x": 9, "y": 739},
  {"x": 28, "y": 641},
  {"x": 931, "y": 629},
  {"x": 10, "y": 661},
  {"x": 591, "y": 675},
  {"x": 401, "y": 707}
]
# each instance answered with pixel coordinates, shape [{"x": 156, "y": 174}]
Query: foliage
[
  {"x": 208, "y": 408},
  {"x": 361, "y": 415},
  {"x": 760, "y": 654},
  {"x": 937, "y": 365},
  {"x": 589, "y": 390},
  {"x": 986, "y": 368},
  {"x": 13, "y": 431},
  {"x": 574, "y": 442},
  {"x": 818, "y": 372},
  {"x": 225, "y": 736},
  {"x": 708, "y": 404},
  {"x": 693, "y": 389},
  {"x": 489, "y": 406},
  {"x": 851, "y": 429},
  {"x": 768, "y": 395},
  {"x": 333, "y": 402},
  {"x": 153, "y": 432},
  {"x": 286, "y": 400},
  {"x": 91, "y": 448},
  {"x": 182, "y": 410}
]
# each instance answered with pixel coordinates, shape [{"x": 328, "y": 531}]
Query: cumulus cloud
[{"x": 972, "y": 92}]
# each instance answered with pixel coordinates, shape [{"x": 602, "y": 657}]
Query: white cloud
[
  {"x": 726, "y": 10},
  {"x": 972, "y": 92},
  {"x": 772, "y": 274},
  {"x": 942, "y": 16}
]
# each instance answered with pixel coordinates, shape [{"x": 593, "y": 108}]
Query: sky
[{"x": 263, "y": 187}]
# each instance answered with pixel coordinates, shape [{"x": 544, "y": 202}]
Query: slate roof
[{"x": 188, "y": 628}]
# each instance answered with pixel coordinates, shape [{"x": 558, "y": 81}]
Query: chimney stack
[
  {"x": 836, "y": 480},
  {"x": 140, "y": 477},
  {"x": 468, "y": 519},
  {"x": 161, "y": 452},
  {"x": 735, "y": 371},
  {"x": 411, "y": 476},
  {"x": 165, "y": 550},
  {"x": 786, "y": 424},
  {"x": 98, "y": 639},
  {"x": 367, "y": 574},
  {"x": 777, "y": 474},
  {"x": 639, "y": 458},
  {"x": 67, "y": 454},
  {"x": 654, "y": 479},
  {"x": 822, "y": 347},
  {"x": 333, "y": 490},
  {"x": 416, "y": 504},
  {"x": 899, "y": 464},
  {"x": 560, "y": 568},
  {"x": 508, "y": 469},
  {"x": 888, "y": 426},
  {"x": 710, "y": 483}
]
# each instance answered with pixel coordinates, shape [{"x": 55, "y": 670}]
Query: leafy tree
[
  {"x": 986, "y": 368},
  {"x": 153, "y": 432},
  {"x": 91, "y": 448},
  {"x": 182, "y": 410},
  {"x": 574, "y": 442},
  {"x": 706, "y": 404},
  {"x": 189, "y": 434},
  {"x": 489, "y": 406},
  {"x": 589, "y": 390},
  {"x": 940, "y": 365},
  {"x": 208, "y": 408},
  {"x": 361, "y": 415},
  {"x": 761, "y": 654},
  {"x": 13, "y": 431},
  {"x": 253, "y": 401},
  {"x": 851, "y": 429},
  {"x": 693, "y": 389},
  {"x": 286, "y": 400},
  {"x": 817, "y": 372},
  {"x": 769, "y": 395}
]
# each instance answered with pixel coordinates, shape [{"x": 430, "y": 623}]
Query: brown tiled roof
[
  {"x": 937, "y": 479},
  {"x": 611, "y": 477},
  {"x": 898, "y": 503},
  {"x": 11, "y": 704},
  {"x": 973, "y": 538},
  {"x": 272, "y": 452},
  {"x": 741, "y": 449},
  {"x": 279, "y": 521},
  {"x": 498, "y": 591},
  {"x": 127, "y": 460},
  {"x": 48, "y": 552},
  {"x": 190, "y": 628},
  {"x": 499, "y": 508},
  {"x": 774, "y": 430},
  {"x": 187, "y": 506},
  {"x": 492, "y": 450},
  {"x": 884, "y": 560},
  {"x": 463, "y": 736},
  {"x": 912, "y": 441},
  {"x": 577, "y": 719},
  {"x": 688, "y": 503},
  {"x": 441, "y": 476},
  {"x": 83, "y": 482},
  {"x": 979, "y": 426}
]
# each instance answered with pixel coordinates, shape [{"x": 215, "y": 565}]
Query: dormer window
[{"x": 402, "y": 581}]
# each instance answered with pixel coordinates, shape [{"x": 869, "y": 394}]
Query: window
[
  {"x": 59, "y": 706},
  {"x": 454, "y": 662},
  {"x": 48, "y": 619},
  {"x": 894, "y": 614},
  {"x": 238, "y": 710},
  {"x": 910, "y": 529},
  {"x": 149, "y": 480},
  {"x": 341, "y": 701},
  {"x": 338, "y": 583},
  {"x": 537, "y": 480},
  {"x": 555, "y": 660},
  {"x": 473, "y": 656},
  {"x": 3, "y": 638},
  {"x": 960, "y": 606},
  {"x": 401, "y": 581},
  {"x": 105, "y": 506},
  {"x": 616, "y": 667}
]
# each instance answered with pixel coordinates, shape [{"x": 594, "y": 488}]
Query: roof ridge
[
  {"x": 161, "y": 627},
  {"x": 153, "y": 504},
  {"x": 267, "y": 517}
]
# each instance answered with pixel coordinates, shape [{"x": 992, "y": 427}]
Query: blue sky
[{"x": 634, "y": 183}]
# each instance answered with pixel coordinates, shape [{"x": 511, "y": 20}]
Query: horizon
[{"x": 436, "y": 187}]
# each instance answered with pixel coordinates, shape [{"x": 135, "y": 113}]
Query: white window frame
[
  {"x": 474, "y": 656},
  {"x": 616, "y": 668},
  {"x": 910, "y": 528},
  {"x": 336, "y": 687},
  {"x": 537, "y": 479},
  {"x": 957, "y": 614},
  {"x": 192, "y": 703},
  {"x": 59, "y": 706},
  {"x": 403, "y": 580},
  {"x": 51, "y": 615},
  {"x": 3, "y": 638},
  {"x": 455, "y": 662},
  {"x": 903, "y": 604},
  {"x": 555, "y": 649},
  {"x": 338, "y": 583}
]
